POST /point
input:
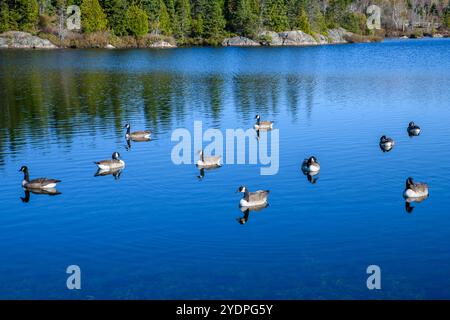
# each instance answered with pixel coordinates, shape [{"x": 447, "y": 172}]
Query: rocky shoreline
[
  {"x": 24, "y": 40},
  {"x": 298, "y": 38}
]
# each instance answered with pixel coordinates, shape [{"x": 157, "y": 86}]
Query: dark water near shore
[{"x": 159, "y": 232}]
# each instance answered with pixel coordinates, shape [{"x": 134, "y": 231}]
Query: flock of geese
[{"x": 256, "y": 200}]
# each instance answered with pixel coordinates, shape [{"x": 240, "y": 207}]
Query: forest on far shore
[{"x": 208, "y": 22}]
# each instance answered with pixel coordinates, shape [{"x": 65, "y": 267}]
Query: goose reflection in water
[
  {"x": 312, "y": 177},
  {"x": 409, "y": 201},
  {"x": 29, "y": 191},
  {"x": 128, "y": 140},
  {"x": 201, "y": 172},
  {"x": 246, "y": 212},
  {"x": 115, "y": 173}
]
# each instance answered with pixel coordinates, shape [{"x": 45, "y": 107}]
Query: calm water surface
[{"x": 160, "y": 232}]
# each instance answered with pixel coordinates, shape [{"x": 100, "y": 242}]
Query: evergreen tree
[
  {"x": 136, "y": 21},
  {"x": 213, "y": 21},
  {"x": 183, "y": 13},
  {"x": 114, "y": 10},
  {"x": 93, "y": 18},
  {"x": 164, "y": 20},
  {"x": 174, "y": 25},
  {"x": 26, "y": 14},
  {"x": 153, "y": 10},
  {"x": 336, "y": 12},
  {"x": 276, "y": 15},
  {"x": 303, "y": 22},
  {"x": 5, "y": 23},
  {"x": 318, "y": 23},
  {"x": 197, "y": 16},
  {"x": 245, "y": 19}
]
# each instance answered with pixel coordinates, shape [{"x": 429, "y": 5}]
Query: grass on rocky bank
[{"x": 102, "y": 39}]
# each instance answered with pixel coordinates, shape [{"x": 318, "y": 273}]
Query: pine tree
[
  {"x": 318, "y": 23},
  {"x": 27, "y": 14},
  {"x": 153, "y": 10},
  {"x": 303, "y": 22},
  {"x": 136, "y": 21},
  {"x": 197, "y": 14},
  {"x": 93, "y": 18},
  {"x": 245, "y": 19},
  {"x": 5, "y": 23},
  {"x": 213, "y": 21},
  {"x": 114, "y": 10},
  {"x": 183, "y": 13},
  {"x": 164, "y": 20},
  {"x": 174, "y": 24},
  {"x": 276, "y": 15}
]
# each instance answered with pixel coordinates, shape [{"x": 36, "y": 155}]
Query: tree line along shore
[{"x": 170, "y": 23}]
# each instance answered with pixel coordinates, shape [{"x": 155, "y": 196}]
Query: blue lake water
[{"x": 160, "y": 232}]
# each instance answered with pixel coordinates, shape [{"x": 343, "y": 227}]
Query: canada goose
[
  {"x": 143, "y": 135},
  {"x": 413, "y": 129},
  {"x": 311, "y": 165},
  {"x": 253, "y": 199},
  {"x": 415, "y": 190},
  {"x": 262, "y": 125},
  {"x": 386, "y": 144},
  {"x": 113, "y": 164},
  {"x": 208, "y": 162},
  {"x": 36, "y": 184}
]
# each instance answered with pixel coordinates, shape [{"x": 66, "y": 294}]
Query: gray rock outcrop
[
  {"x": 239, "y": 42},
  {"x": 162, "y": 45},
  {"x": 338, "y": 35},
  {"x": 297, "y": 38},
  {"x": 24, "y": 40},
  {"x": 270, "y": 38}
]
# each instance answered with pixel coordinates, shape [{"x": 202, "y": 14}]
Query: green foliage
[
  {"x": 303, "y": 22},
  {"x": 5, "y": 18},
  {"x": 164, "y": 20},
  {"x": 336, "y": 11},
  {"x": 318, "y": 22},
  {"x": 208, "y": 21},
  {"x": 213, "y": 21},
  {"x": 276, "y": 15},
  {"x": 93, "y": 19},
  {"x": 136, "y": 21},
  {"x": 354, "y": 22},
  {"x": 244, "y": 18},
  {"x": 446, "y": 17},
  {"x": 25, "y": 14},
  {"x": 114, "y": 10},
  {"x": 183, "y": 18}
]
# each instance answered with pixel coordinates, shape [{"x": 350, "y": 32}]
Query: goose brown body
[{"x": 38, "y": 183}]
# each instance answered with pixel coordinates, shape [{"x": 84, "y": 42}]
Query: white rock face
[
  {"x": 162, "y": 44},
  {"x": 239, "y": 42},
  {"x": 24, "y": 40},
  {"x": 273, "y": 38},
  {"x": 297, "y": 38},
  {"x": 321, "y": 39},
  {"x": 338, "y": 35}
]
